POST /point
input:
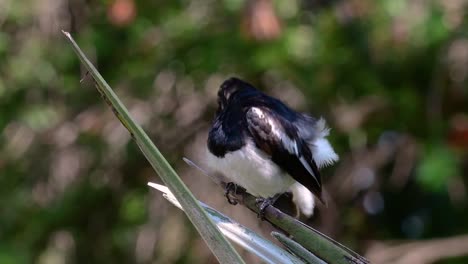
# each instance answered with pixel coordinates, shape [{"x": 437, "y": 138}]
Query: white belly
[{"x": 253, "y": 170}]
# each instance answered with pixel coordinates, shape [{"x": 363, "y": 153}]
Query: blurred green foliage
[
  {"x": 390, "y": 76},
  {"x": 436, "y": 169}
]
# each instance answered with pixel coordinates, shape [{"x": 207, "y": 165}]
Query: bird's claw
[
  {"x": 228, "y": 192},
  {"x": 262, "y": 204}
]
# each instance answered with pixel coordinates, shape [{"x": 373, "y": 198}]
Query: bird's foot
[
  {"x": 263, "y": 203},
  {"x": 229, "y": 191}
]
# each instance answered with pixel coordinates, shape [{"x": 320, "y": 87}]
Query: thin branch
[{"x": 317, "y": 243}]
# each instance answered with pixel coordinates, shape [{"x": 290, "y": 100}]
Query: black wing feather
[{"x": 279, "y": 138}]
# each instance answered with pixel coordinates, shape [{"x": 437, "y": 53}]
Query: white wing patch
[
  {"x": 309, "y": 169},
  {"x": 288, "y": 143}
]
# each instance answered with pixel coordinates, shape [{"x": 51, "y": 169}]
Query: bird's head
[{"x": 230, "y": 89}]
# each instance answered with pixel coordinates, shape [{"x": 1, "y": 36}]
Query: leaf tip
[
  {"x": 66, "y": 33},
  {"x": 159, "y": 187}
]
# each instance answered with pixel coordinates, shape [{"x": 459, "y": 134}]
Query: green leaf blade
[{"x": 218, "y": 244}]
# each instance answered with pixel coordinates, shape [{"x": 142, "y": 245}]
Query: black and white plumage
[{"x": 264, "y": 146}]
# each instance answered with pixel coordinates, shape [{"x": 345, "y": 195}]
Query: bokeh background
[{"x": 390, "y": 76}]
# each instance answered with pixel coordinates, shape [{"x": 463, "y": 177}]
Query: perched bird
[{"x": 267, "y": 148}]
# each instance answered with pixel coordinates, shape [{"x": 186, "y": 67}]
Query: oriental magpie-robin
[{"x": 264, "y": 146}]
